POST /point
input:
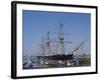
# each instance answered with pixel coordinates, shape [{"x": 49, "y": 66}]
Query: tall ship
[
  {"x": 51, "y": 57},
  {"x": 57, "y": 57}
]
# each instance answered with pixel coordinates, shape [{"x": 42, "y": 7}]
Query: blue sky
[{"x": 36, "y": 24}]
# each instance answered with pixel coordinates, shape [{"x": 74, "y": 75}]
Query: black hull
[{"x": 57, "y": 57}]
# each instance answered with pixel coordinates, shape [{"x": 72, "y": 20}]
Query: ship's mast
[
  {"x": 48, "y": 42},
  {"x": 43, "y": 47},
  {"x": 61, "y": 39}
]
